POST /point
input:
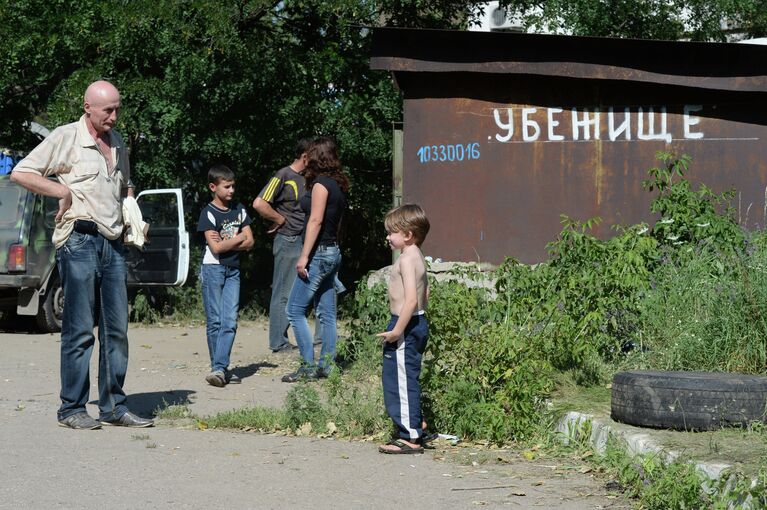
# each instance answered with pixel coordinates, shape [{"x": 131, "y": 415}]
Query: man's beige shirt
[{"x": 71, "y": 154}]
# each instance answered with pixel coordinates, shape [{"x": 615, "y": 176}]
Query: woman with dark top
[{"x": 323, "y": 204}]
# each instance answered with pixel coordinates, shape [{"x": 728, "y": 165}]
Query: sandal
[
  {"x": 404, "y": 448},
  {"x": 426, "y": 439}
]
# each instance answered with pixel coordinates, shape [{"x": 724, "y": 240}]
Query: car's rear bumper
[{"x": 17, "y": 281}]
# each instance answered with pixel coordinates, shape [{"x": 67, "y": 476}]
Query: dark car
[{"x": 29, "y": 280}]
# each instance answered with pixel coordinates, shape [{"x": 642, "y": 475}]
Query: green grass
[
  {"x": 173, "y": 412},
  {"x": 257, "y": 418},
  {"x": 568, "y": 396}
]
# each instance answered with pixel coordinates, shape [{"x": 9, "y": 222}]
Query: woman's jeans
[
  {"x": 318, "y": 288},
  {"x": 94, "y": 278},
  {"x": 221, "y": 297}
]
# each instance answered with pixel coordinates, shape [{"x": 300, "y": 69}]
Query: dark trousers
[{"x": 401, "y": 370}]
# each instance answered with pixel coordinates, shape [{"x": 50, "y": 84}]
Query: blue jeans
[
  {"x": 93, "y": 278},
  {"x": 317, "y": 288},
  {"x": 221, "y": 297},
  {"x": 286, "y": 251}
]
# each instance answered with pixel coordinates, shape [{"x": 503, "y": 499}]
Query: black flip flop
[
  {"x": 404, "y": 448},
  {"x": 426, "y": 439}
]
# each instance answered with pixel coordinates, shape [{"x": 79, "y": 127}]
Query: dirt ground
[{"x": 45, "y": 466}]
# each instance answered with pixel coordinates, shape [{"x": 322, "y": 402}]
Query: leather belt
[{"x": 86, "y": 227}]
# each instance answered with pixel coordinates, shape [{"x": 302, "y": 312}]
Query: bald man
[{"x": 90, "y": 163}]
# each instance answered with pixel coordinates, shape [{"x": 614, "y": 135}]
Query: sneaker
[
  {"x": 216, "y": 379},
  {"x": 129, "y": 420},
  {"x": 286, "y": 347},
  {"x": 302, "y": 374},
  {"x": 322, "y": 373},
  {"x": 80, "y": 421},
  {"x": 232, "y": 378}
]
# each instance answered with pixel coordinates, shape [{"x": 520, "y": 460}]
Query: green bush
[
  {"x": 355, "y": 401},
  {"x": 689, "y": 292},
  {"x": 303, "y": 405},
  {"x": 369, "y": 314},
  {"x": 691, "y": 219},
  {"x": 582, "y": 304},
  {"x": 487, "y": 385},
  {"x": 706, "y": 313},
  {"x": 659, "y": 485}
]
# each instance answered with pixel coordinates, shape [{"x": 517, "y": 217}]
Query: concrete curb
[{"x": 637, "y": 442}]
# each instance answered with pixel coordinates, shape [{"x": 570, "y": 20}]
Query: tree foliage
[
  {"x": 697, "y": 20},
  {"x": 204, "y": 81},
  {"x": 239, "y": 82}
]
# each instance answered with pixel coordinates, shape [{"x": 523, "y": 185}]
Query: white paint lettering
[
  {"x": 691, "y": 121},
  {"x": 508, "y": 126},
  {"x": 624, "y": 126},
  {"x": 554, "y": 123},
  {"x": 584, "y": 123},
  {"x": 651, "y": 134},
  {"x": 527, "y": 123}
]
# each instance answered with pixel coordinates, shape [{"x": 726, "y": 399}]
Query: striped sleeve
[{"x": 271, "y": 190}]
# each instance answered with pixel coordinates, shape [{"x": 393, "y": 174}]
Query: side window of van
[{"x": 50, "y": 208}]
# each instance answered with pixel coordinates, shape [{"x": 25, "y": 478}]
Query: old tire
[
  {"x": 51, "y": 307},
  {"x": 688, "y": 400}
]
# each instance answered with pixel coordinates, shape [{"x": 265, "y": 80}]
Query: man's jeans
[
  {"x": 221, "y": 297},
  {"x": 317, "y": 288},
  {"x": 93, "y": 278},
  {"x": 286, "y": 251}
]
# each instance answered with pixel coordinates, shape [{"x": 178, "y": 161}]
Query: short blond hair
[{"x": 408, "y": 218}]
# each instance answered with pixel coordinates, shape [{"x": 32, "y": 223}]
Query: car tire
[
  {"x": 51, "y": 307},
  {"x": 688, "y": 400}
]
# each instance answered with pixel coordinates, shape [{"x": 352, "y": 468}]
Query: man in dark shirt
[{"x": 278, "y": 203}]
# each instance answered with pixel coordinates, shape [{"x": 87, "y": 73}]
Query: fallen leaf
[
  {"x": 517, "y": 493},
  {"x": 528, "y": 455},
  {"x": 202, "y": 425},
  {"x": 585, "y": 469},
  {"x": 146, "y": 346},
  {"x": 331, "y": 427},
  {"x": 305, "y": 429}
]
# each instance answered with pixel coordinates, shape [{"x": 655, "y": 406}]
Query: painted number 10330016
[{"x": 450, "y": 152}]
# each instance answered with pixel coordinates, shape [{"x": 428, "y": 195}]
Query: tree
[
  {"x": 206, "y": 81},
  {"x": 238, "y": 82},
  {"x": 697, "y": 20}
]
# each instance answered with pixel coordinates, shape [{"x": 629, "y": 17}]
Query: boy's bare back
[{"x": 408, "y": 279}]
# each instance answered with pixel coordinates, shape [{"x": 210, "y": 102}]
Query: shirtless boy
[{"x": 405, "y": 338}]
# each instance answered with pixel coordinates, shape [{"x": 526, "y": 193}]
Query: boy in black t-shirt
[{"x": 227, "y": 232}]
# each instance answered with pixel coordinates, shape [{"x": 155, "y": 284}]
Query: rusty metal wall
[{"x": 496, "y": 159}]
